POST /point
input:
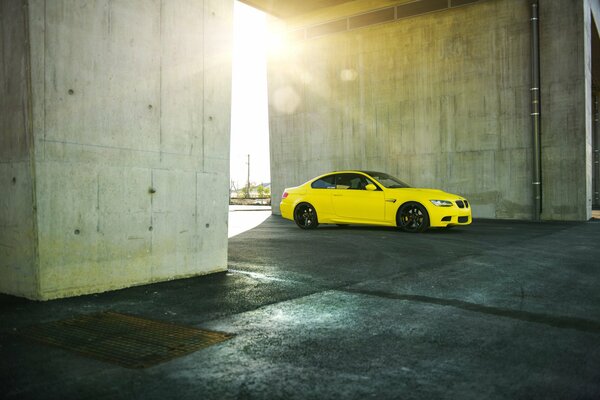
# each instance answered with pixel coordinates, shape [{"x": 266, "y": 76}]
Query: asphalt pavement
[{"x": 496, "y": 310}]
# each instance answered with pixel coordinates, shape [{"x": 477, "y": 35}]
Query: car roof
[{"x": 345, "y": 171}]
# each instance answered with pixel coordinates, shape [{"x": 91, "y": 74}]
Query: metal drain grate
[{"x": 125, "y": 340}]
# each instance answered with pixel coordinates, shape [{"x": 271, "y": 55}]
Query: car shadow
[{"x": 374, "y": 228}]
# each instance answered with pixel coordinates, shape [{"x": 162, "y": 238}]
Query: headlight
[{"x": 441, "y": 203}]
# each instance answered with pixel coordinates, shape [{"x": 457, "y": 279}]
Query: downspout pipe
[{"x": 535, "y": 111}]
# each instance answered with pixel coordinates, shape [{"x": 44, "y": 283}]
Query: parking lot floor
[{"x": 496, "y": 310}]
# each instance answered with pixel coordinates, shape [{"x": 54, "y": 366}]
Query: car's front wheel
[
  {"x": 305, "y": 216},
  {"x": 412, "y": 217}
]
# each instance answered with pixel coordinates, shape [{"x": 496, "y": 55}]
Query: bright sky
[{"x": 249, "y": 112}]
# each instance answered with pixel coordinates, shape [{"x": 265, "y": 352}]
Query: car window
[
  {"x": 388, "y": 181},
  {"x": 351, "y": 181},
  {"x": 326, "y": 182}
]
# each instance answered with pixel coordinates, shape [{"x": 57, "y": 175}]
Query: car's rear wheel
[
  {"x": 305, "y": 216},
  {"x": 412, "y": 217}
]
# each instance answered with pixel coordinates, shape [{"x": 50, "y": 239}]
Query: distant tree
[
  {"x": 244, "y": 192},
  {"x": 261, "y": 191}
]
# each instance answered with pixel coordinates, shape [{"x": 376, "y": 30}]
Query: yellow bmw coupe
[{"x": 373, "y": 198}]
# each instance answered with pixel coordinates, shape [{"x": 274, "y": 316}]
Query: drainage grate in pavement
[{"x": 129, "y": 341}]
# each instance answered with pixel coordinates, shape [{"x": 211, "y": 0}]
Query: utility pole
[{"x": 248, "y": 182}]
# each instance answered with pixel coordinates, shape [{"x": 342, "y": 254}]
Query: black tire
[
  {"x": 305, "y": 216},
  {"x": 412, "y": 217}
]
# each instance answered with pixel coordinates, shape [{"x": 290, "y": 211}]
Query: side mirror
[{"x": 370, "y": 187}]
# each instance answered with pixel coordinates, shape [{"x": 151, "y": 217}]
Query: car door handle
[
  {"x": 337, "y": 195},
  {"x": 390, "y": 200}
]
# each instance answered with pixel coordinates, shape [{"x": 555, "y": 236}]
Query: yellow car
[{"x": 373, "y": 198}]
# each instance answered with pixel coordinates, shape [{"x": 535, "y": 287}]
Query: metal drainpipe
[
  {"x": 535, "y": 112},
  {"x": 596, "y": 151}
]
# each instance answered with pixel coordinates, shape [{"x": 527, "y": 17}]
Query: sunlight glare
[{"x": 249, "y": 106}]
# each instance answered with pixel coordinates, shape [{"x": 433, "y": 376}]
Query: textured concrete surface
[
  {"x": 442, "y": 100},
  {"x": 130, "y": 110},
  {"x": 565, "y": 35},
  {"x": 17, "y": 225},
  {"x": 497, "y": 310}
]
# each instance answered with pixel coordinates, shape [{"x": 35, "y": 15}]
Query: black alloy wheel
[
  {"x": 305, "y": 216},
  {"x": 412, "y": 217}
]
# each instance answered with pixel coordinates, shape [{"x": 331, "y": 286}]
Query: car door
[
  {"x": 351, "y": 201},
  {"x": 320, "y": 196}
]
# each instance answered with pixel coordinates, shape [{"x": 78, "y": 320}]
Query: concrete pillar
[
  {"x": 565, "y": 61},
  {"x": 18, "y": 239},
  {"x": 122, "y": 142}
]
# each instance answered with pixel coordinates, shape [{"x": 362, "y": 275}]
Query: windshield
[{"x": 387, "y": 181}]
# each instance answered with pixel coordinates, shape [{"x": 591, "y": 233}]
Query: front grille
[
  {"x": 460, "y": 204},
  {"x": 462, "y": 220},
  {"x": 466, "y": 204},
  {"x": 447, "y": 219}
]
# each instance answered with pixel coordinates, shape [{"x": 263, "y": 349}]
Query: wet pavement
[{"x": 497, "y": 310}]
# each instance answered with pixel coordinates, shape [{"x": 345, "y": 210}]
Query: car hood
[{"x": 435, "y": 194}]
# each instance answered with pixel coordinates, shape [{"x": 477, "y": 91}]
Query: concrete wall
[
  {"x": 131, "y": 115},
  {"x": 18, "y": 273},
  {"x": 440, "y": 100}
]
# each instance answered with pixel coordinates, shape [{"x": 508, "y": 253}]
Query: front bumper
[{"x": 450, "y": 216}]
